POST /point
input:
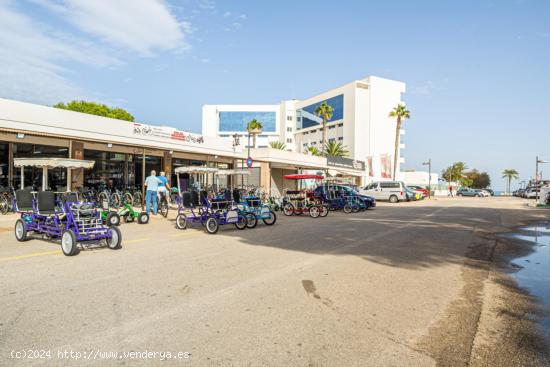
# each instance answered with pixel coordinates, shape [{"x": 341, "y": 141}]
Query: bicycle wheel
[
  {"x": 128, "y": 198},
  {"x": 137, "y": 198},
  {"x": 4, "y": 205},
  {"x": 116, "y": 201}
]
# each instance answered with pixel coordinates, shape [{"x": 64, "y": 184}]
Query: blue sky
[{"x": 477, "y": 72}]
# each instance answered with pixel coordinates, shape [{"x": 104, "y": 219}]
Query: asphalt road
[{"x": 412, "y": 284}]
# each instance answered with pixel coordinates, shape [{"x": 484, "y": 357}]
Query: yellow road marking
[
  {"x": 135, "y": 241},
  {"x": 186, "y": 234},
  {"x": 45, "y": 253},
  {"x": 34, "y": 254}
]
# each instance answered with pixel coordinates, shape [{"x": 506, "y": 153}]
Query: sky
[{"x": 477, "y": 72}]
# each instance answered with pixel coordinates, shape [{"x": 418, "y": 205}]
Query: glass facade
[
  {"x": 336, "y": 102},
  {"x": 238, "y": 121},
  {"x": 108, "y": 169},
  {"x": 4, "y": 164},
  {"x": 57, "y": 177},
  {"x": 151, "y": 163}
]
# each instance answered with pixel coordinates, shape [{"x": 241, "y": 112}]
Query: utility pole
[
  {"x": 539, "y": 161},
  {"x": 429, "y": 164}
]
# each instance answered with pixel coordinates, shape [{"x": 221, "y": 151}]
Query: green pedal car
[{"x": 130, "y": 214}]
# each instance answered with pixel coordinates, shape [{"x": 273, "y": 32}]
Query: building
[
  {"x": 125, "y": 152},
  {"x": 360, "y": 122}
]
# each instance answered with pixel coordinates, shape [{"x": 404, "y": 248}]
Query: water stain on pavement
[{"x": 310, "y": 288}]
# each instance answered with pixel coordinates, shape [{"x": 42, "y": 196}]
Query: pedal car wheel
[
  {"x": 143, "y": 218},
  {"x": 314, "y": 212},
  {"x": 128, "y": 218},
  {"x": 241, "y": 223},
  {"x": 271, "y": 220},
  {"x": 323, "y": 211},
  {"x": 68, "y": 243},
  {"x": 113, "y": 219},
  {"x": 212, "y": 225},
  {"x": 251, "y": 220},
  {"x": 288, "y": 209},
  {"x": 164, "y": 209},
  {"x": 347, "y": 209},
  {"x": 20, "y": 231},
  {"x": 115, "y": 242},
  {"x": 355, "y": 209},
  {"x": 181, "y": 221}
]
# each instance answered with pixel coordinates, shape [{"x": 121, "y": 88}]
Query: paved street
[{"x": 412, "y": 284}]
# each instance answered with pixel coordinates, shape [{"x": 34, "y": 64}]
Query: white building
[{"x": 360, "y": 122}]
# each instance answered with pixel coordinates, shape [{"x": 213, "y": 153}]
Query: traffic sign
[{"x": 249, "y": 162}]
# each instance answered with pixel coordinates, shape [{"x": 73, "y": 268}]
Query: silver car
[{"x": 392, "y": 191}]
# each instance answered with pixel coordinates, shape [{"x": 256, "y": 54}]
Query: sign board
[
  {"x": 167, "y": 133},
  {"x": 346, "y": 163},
  {"x": 249, "y": 162}
]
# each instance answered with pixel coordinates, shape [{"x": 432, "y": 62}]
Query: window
[
  {"x": 289, "y": 140},
  {"x": 238, "y": 120},
  {"x": 390, "y": 185},
  {"x": 336, "y": 102},
  {"x": 331, "y": 139},
  {"x": 289, "y": 129},
  {"x": 340, "y": 138},
  {"x": 372, "y": 186},
  {"x": 340, "y": 125},
  {"x": 289, "y": 118},
  {"x": 305, "y": 145},
  {"x": 262, "y": 146},
  {"x": 332, "y": 127},
  {"x": 224, "y": 136},
  {"x": 306, "y": 132}
]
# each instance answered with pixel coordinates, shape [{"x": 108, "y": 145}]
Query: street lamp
[
  {"x": 539, "y": 161},
  {"x": 429, "y": 164}
]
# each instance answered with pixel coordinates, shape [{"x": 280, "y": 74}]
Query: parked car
[
  {"x": 465, "y": 191},
  {"x": 420, "y": 189},
  {"x": 368, "y": 201},
  {"x": 483, "y": 193},
  {"x": 530, "y": 193},
  {"x": 413, "y": 195},
  {"x": 490, "y": 191},
  {"x": 392, "y": 191}
]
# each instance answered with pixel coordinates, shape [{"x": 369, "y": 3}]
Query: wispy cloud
[
  {"x": 33, "y": 55},
  {"x": 426, "y": 89},
  {"x": 142, "y": 26}
]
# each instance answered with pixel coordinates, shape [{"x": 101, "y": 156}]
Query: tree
[
  {"x": 324, "y": 111},
  {"x": 314, "y": 151},
  {"x": 93, "y": 108},
  {"x": 457, "y": 173},
  {"x": 400, "y": 113},
  {"x": 479, "y": 180},
  {"x": 510, "y": 174},
  {"x": 278, "y": 145},
  {"x": 335, "y": 149},
  {"x": 254, "y": 128}
]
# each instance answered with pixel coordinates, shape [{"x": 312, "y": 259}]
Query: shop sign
[
  {"x": 167, "y": 133},
  {"x": 348, "y": 163}
]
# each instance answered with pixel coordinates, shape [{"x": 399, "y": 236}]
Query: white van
[{"x": 393, "y": 191}]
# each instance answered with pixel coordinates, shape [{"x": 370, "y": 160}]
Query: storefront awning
[
  {"x": 52, "y": 162},
  {"x": 196, "y": 169},
  {"x": 233, "y": 172}
]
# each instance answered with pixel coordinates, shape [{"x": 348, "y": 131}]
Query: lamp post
[
  {"x": 429, "y": 164},
  {"x": 539, "y": 161}
]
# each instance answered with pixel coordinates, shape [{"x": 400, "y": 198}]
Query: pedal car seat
[
  {"x": 187, "y": 200},
  {"x": 236, "y": 196},
  {"x": 23, "y": 201},
  {"x": 46, "y": 203}
]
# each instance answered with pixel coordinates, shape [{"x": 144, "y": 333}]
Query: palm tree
[
  {"x": 510, "y": 174},
  {"x": 277, "y": 145},
  {"x": 457, "y": 173},
  {"x": 401, "y": 114},
  {"x": 324, "y": 111},
  {"x": 313, "y": 151},
  {"x": 254, "y": 128},
  {"x": 335, "y": 149}
]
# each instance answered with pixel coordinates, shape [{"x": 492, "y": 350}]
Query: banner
[
  {"x": 345, "y": 163},
  {"x": 167, "y": 133}
]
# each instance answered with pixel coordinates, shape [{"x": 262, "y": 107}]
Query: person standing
[
  {"x": 450, "y": 191},
  {"x": 163, "y": 187},
  {"x": 152, "y": 185}
]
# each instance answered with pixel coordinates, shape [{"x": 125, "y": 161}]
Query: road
[{"x": 411, "y": 284}]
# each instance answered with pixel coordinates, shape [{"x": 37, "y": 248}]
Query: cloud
[
  {"x": 142, "y": 26},
  {"x": 425, "y": 89},
  {"x": 33, "y": 58},
  {"x": 227, "y": 14}
]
